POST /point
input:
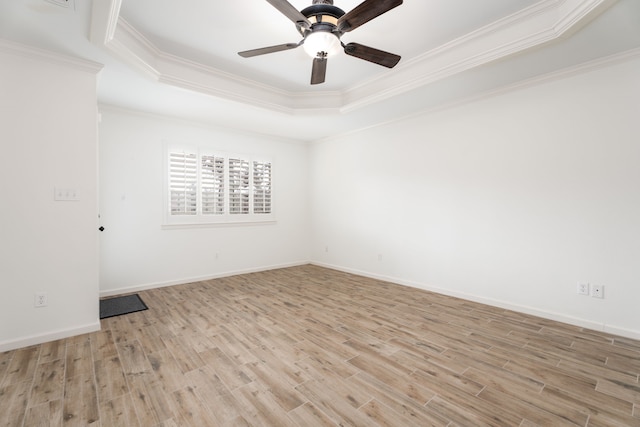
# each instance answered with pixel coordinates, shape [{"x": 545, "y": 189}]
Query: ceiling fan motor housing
[{"x": 323, "y": 16}]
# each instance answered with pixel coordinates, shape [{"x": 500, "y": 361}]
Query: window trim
[{"x": 199, "y": 220}]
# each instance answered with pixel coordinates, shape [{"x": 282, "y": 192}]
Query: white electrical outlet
[
  {"x": 40, "y": 299},
  {"x": 583, "y": 288},
  {"x": 597, "y": 291}
]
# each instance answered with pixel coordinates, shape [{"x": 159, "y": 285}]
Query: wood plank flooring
[{"x": 308, "y": 346}]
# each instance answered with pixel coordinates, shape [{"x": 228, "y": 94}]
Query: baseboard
[
  {"x": 147, "y": 286},
  {"x": 49, "y": 336},
  {"x": 558, "y": 317},
  {"x": 622, "y": 332}
]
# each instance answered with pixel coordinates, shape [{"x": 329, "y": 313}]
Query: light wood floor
[{"x": 307, "y": 346}]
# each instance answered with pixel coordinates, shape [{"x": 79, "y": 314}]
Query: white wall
[
  {"x": 137, "y": 253},
  {"x": 509, "y": 200},
  {"x": 48, "y": 139}
]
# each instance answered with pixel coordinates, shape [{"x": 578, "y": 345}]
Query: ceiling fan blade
[
  {"x": 370, "y": 54},
  {"x": 319, "y": 70},
  {"x": 270, "y": 49},
  {"x": 290, "y": 12},
  {"x": 365, "y": 12}
]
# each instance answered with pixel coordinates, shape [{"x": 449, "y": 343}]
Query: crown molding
[
  {"x": 575, "y": 13},
  {"x": 568, "y": 72},
  {"x": 132, "y": 47},
  {"x": 11, "y": 47},
  {"x": 104, "y": 17},
  {"x": 536, "y": 25}
]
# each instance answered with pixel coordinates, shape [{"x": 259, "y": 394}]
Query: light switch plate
[{"x": 66, "y": 195}]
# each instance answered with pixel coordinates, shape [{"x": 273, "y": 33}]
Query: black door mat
[{"x": 118, "y": 306}]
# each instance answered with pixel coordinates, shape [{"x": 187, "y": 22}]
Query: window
[
  {"x": 206, "y": 187},
  {"x": 212, "y": 184},
  {"x": 262, "y": 187},
  {"x": 183, "y": 183},
  {"x": 238, "y": 186}
]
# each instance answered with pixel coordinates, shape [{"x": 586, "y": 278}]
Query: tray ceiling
[{"x": 180, "y": 58}]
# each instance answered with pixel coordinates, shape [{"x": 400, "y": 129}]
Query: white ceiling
[
  {"x": 218, "y": 30},
  {"x": 180, "y": 58}
]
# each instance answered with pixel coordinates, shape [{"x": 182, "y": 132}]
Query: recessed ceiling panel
[{"x": 212, "y": 32}]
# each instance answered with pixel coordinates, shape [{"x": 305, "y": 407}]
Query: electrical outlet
[
  {"x": 583, "y": 288},
  {"x": 597, "y": 291},
  {"x": 40, "y": 299}
]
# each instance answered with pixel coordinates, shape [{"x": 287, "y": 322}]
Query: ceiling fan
[{"x": 321, "y": 26}]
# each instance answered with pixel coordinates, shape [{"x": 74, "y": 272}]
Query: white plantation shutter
[
  {"x": 203, "y": 187},
  {"x": 183, "y": 180},
  {"x": 212, "y": 185},
  {"x": 238, "y": 186},
  {"x": 261, "y": 187}
]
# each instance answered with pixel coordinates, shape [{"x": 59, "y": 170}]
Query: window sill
[{"x": 191, "y": 225}]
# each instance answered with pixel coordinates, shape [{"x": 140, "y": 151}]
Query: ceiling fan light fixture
[{"x": 321, "y": 41}]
